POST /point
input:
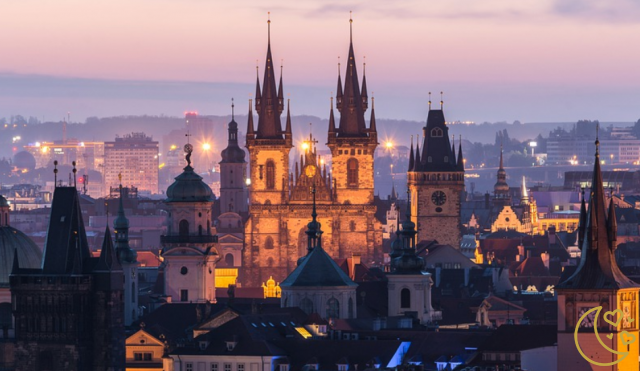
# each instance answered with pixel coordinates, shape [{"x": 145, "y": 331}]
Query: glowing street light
[
  {"x": 533, "y": 145},
  {"x": 389, "y": 144},
  {"x": 206, "y": 146},
  {"x": 305, "y": 145}
]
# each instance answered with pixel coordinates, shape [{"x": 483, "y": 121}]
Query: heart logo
[
  {"x": 627, "y": 338},
  {"x": 610, "y": 336},
  {"x": 611, "y": 314}
]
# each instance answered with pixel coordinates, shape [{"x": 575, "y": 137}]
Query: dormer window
[
  {"x": 436, "y": 133},
  {"x": 231, "y": 345}
]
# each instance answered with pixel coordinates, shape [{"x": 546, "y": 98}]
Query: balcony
[{"x": 190, "y": 239}]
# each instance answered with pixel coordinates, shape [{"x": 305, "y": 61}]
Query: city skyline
[{"x": 548, "y": 61}]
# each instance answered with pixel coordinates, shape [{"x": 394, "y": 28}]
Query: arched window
[
  {"x": 271, "y": 175},
  {"x": 333, "y": 308},
  {"x": 352, "y": 172},
  {"x": 268, "y": 243},
  {"x": 306, "y": 305},
  {"x": 405, "y": 298},
  {"x": 350, "y": 308},
  {"x": 228, "y": 259},
  {"x": 183, "y": 227},
  {"x": 436, "y": 133}
]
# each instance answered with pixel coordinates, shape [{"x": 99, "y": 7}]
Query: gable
[
  {"x": 229, "y": 238},
  {"x": 141, "y": 337}
]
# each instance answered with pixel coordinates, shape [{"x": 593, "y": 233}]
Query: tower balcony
[{"x": 189, "y": 239}]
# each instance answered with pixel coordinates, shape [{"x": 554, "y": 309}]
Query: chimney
[
  {"x": 552, "y": 234},
  {"x": 520, "y": 256},
  {"x": 545, "y": 259}
]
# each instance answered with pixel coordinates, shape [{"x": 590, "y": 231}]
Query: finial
[
  {"x": 373, "y": 101},
  {"x": 441, "y": 101},
  {"x": 598, "y": 140},
  {"x": 350, "y": 26},
  {"x": 269, "y": 27},
  {"x": 250, "y": 103},
  {"x": 331, "y": 101},
  {"x": 55, "y": 173},
  {"x": 232, "y": 110},
  {"x": 429, "y": 101},
  {"x": 364, "y": 65},
  {"x": 257, "y": 69},
  {"x": 75, "y": 171}
]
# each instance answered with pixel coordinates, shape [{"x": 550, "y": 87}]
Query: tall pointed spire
[
  {"x": 365, "y": 97},
  {"x": 287, "y": 130},
  {"x": 460, "y": 156},
  {"x": 524, "y": 198},
  {"x": 271, "y": 103},
  {"x": 280, "y": 92},
  {"x": 453, "y": 149},
  {"x": 411, "y": 157},
  {"x": 501, "y": 162},
  {"x": 250, "y": 131},
  {"x": 107, "y": 260},
  {"x": 332, "y": 121},
  {"x": 582, "y": 223},
  {"x": 351, "y": 106},
  {"x": 418, "y": 160},
  {"x": 598, "y": 268},
  {"x": 373, "y": 130},
  {"x": 15, "y": 268},
  {"x": 612, "y": 225},
  {"x": 121, "y": 226},
  {"x": 258, "y": 91}
]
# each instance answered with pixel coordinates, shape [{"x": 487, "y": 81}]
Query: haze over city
[{"x": 533, "y": 61}]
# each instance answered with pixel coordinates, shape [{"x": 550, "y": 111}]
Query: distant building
[
  {"x": 87, "y": 155},
  {"x": 135, "y": 156}
]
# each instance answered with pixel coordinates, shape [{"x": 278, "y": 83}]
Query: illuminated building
[
  {"x": 135, "y": 156},
  {"x": 87, "y": 155}
]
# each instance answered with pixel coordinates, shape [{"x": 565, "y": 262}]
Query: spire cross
[
  {"x": 232, "y": 110},
  {"x": 75, "y": 171},
  {"x": 55, "y": 173},
  {"x": 338, "y": 66},
  {"x": 441, "y": 101},
  {"x": 350, "y": 26},
  {"x": 429, "y": 101}
]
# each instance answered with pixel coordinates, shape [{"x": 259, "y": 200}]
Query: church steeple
[
  {"x": 411, "y": 156},
  {"x": 460, "y": 164},
  {"x": 350, "y": 104},
  {"x": 598, "y": 268},
  {"x": 332, "y": 122},
  {"x": 269, "y": 103},
  {"x": 121, "y": 227},
  {"x": 250, "y": 131},
  {"x": 373, "y": 130}
]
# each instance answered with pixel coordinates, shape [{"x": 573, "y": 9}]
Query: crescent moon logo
[{"x": 625, "y": 337}]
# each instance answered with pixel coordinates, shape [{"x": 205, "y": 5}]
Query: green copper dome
[
  {"x": 12, "y": 240},
  {"x": 189, "y": 187}
]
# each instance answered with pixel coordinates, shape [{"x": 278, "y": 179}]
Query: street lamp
[
  {"x": 206, "y": 146},
  {"x": 533, "y": 145}
]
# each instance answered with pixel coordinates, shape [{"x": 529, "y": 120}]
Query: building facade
[
  {"x": 436, "y": 183},
  {"x": 279, "y": 199},
  {"x": 135, "y": 157}
]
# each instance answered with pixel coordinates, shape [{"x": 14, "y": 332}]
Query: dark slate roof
[
  {"x": 445, "y": 345},
  {"x": 66, "y": 244},
  {"x": 233, "y": 153},
  {"x": 317, "y": 269},
  {"x": 438, "y": 148},
  {"x": 29, "y": 255},
  {"x": 352, "y": 123},
  {"x": 269, "y": 123},
  {"x": 515, "y": 338}
]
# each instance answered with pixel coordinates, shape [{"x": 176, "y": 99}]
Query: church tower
[
  {"x": 233, "y": 170},
  {"x": 436, "y": 181},
  {"x": 269, "y": 145},
  {"x": 352, "y": 144},
  {"x": 128, "y": 259},
  {"x": 189, "y": 248},
  {"x": 589, "y": 336},
  {"x": 501, "y": 196}
]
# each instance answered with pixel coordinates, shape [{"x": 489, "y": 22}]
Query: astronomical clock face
[
  {"x": 310, "y": 171},
  {"x": 588, "y": 321},
  {"x": 438, "y": 198}
]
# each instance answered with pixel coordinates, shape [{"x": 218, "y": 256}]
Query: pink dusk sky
[{"x": 531, "y": 60}]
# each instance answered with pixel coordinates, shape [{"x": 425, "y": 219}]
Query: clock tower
[
  {"x": 598, "y": 304},
  {"x": 436, "y": 182}
]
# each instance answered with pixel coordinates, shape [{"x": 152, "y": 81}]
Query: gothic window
[
  {"x": 271, "y": 175},
  {"x": 352, "y": 172},
  {"x": 436, "y": 133},
  {"x": 350, "y": 308},
  {"x": 405, "y": 298},
  {"x": 306, "y": 305},
  {"x": 333, "y": 308},
  {"x": 228, "y": 259},
  {"x": 183, "y": 227},
  {"x": 268, "y": 243}
]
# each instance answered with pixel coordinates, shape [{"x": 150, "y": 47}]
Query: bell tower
[
  {"x": 233, "y": 170},
  {"x": 352, "y": 144},
  {"x": 436, "y": 182},
  {"x": 598, "y": 304},
  {"x": 269, "y": 145}
]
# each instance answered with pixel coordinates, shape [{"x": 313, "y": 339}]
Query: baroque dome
[
  {"x": 29, "y": 254},
  {"x": 189, "y": 187}
]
